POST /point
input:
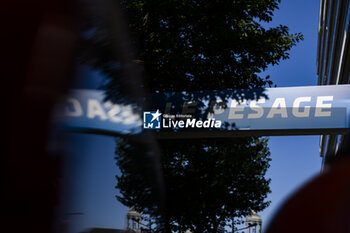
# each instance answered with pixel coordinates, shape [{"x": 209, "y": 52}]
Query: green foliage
[
  {"x": 207, "y": 182},
  {"x": 206, "y": 45},
  {"x": 192, "y": 45}
]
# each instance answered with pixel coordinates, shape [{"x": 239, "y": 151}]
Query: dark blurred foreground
[
  {"x": 320, "y": 206},
  {"x": 37, "y": 44}
]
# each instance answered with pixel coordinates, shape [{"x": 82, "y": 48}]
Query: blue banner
[
  {"x": 86, "y": 110},
  {"x": 274, "y": 111},
  {"x": 315, "y": 107}
]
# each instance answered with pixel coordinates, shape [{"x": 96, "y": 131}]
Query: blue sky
[{"x": 295, "y": 159}]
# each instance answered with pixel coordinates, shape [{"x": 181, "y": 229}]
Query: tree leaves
[
  {"x": 208, "y": 182},
  {"x": 186, "y": 46},
  {"x": 196, "y": 45}
]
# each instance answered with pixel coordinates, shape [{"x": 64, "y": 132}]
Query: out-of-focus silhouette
[
  {"x": 320, "y": 206},
  {"x": 37, "y": 45}
]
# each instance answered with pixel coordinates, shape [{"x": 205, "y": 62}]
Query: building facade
[{"x": 333, "y": 61}]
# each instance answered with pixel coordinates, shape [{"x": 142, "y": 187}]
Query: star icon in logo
[{"x": 156, "y": 115}]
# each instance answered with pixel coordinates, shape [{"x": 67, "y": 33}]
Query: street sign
[
  {"x": 86, "y": 111},
  {"x": 273, "y": 111}
]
